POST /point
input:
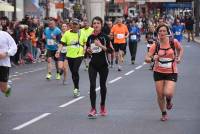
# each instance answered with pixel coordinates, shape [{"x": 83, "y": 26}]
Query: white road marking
[
  {"x": 71, "y": 102},
  {"x": 116, "y": 79},
  {"x": 32, "y": 71},
  {"x": 138, "y": 67},
  {"x": 32, "y": 121},
  {"x": 128, "y": 73},
  {"x": 97, "y": 89}
]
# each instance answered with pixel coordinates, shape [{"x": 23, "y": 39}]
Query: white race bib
[
  {"x": 74, "y": 44},
  {"x": 165, "y": 65},
  {"x": 64, "y": 49},
  {"x": 50, "y": 42},
  {"x": 178, "y": 33},
  {"x": 95, "y": 49},
  {"x": 133, "y": 37},
  {"x": 120, "y": 36}
]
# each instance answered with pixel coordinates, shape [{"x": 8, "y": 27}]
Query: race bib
[
  {"x": 95, "y": 49},
  {"x": 178, "y": 33},
  {"x": 120, "y": 36},
  {"x": 50, "y": 42},
  {"x": 165, "y": 65},
  {"x": 64, "y": 49},
  {"x": 133, "y": 37},
  {"x": 74, "y": 44}
]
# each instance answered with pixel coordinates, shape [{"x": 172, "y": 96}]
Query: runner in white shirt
[{"x": 8, "y": 48}]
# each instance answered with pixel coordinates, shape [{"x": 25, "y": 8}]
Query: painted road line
[
  {"x": 71, "y": 102},
  {"x": 138, "y": 67},
  {"x": 32, "y": 121},
  {"x": 32, "y": 71},
  {"x": 128, "y": 73},
  {"x": 144, "y": 63},
  {"x": 116, "y": 79},
  {"x": 97, "y": 89}
]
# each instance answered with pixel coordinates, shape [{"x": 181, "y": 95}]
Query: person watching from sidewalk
[
  {"x": 166, "y": 55},
  {"x": 8, "y": 48},
  {"x": 120, "y": 33},
  {"x": 52, "y": 35},
  {"x": 74, "y": 39},
  {"x": 98, "y": 45}
]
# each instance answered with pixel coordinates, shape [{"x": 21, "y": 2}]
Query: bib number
[
  {"x": 50, "y": 42},
  {"x": 133, "y": 37},
  {"x": 95, "y": 49},
  {"x": 74, "y": 44},
  {"x": 120, "y": 36},
  {"x": 165, "y": 65},
  {"x": 178, "y": 33}
]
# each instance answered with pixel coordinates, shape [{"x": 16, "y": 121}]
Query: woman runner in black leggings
[{"x": 98, "y": 44}]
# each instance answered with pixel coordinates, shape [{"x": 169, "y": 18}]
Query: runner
[
  {"x": 178, "y": 30},
  {"x": 52, "y": 35},
  {"x": 166, "y": 55},
  {"x": 119, "y": 32},
  {"x": 62, "y": 59},
  {"x": 98, "y": 45},
  {"x": 8, "y": 48},
  {"x": 75, "y": 40},
  {"x": 88, "y": 31},
  {"x": 134, "y": 31}
]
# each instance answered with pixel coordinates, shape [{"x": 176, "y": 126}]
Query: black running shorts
[
  {"x": 4, "y": 74},
  {"x": 118, "y": 47},
  {"x": 51, "y": 53},
  {"x": 165, "y": 76}
]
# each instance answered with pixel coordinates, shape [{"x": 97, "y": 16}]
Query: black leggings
[
  {"x": 133, "y": 49},
  {"x": 74, "y": 65},
  {"x": 103, "y": 74}
]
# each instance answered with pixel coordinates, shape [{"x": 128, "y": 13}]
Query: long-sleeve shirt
[{"x": 7, "y": 44}]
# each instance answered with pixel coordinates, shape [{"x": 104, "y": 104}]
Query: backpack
[{"x": 171, "y": 42}]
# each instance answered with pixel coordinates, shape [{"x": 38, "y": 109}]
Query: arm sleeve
[{"x": 12, "y": 47}]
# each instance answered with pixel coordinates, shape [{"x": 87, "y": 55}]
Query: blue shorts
[{"x": 62, "y": 57}]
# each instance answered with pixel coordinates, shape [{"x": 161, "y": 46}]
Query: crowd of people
[{"x": 100, "y": 46}]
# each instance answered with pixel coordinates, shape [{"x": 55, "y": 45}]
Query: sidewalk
[{"x": 196, "y": 39}]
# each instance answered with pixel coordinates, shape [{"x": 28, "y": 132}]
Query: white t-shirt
[{"x": 7, "y": 44}]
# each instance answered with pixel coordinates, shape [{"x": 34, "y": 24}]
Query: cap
[{"x": 75, "y": 20}]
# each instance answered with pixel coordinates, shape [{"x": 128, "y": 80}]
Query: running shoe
[
  {"x": 76, "y": 92},
  {"x": 164, "y": 116},
  {"x": 8, "y": 92},
  {"x": 48, "y": 76},
  {"x": 119, "y": 68},
  {"x": 92, "y": 114},
  {"x": 103, "y": 111},
  {"x": 132, "y": 62},
  {"x": 58, "y": 77}
]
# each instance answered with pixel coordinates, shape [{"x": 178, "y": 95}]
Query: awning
[{"x": 4, "y": 6}]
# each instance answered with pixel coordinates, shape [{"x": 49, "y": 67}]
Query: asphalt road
[{"x": 38, "y": 106}]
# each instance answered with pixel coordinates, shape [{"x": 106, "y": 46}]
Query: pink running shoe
[
  {"x": 92, "y": 114},
  {"x": 103, "y": 111}
]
